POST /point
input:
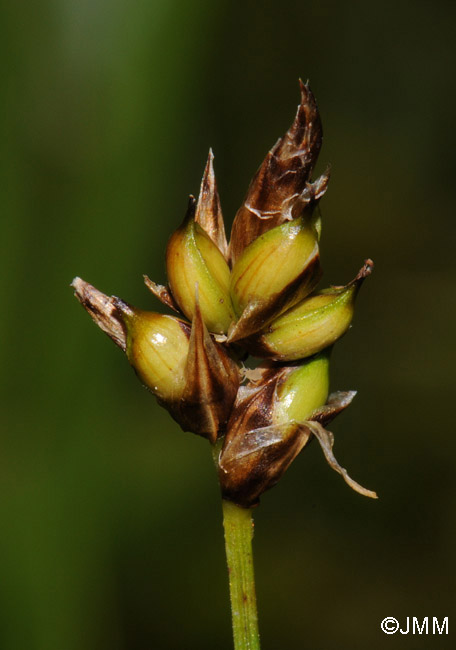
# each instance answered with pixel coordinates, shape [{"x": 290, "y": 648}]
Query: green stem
[{"x": 238, "y": 525}]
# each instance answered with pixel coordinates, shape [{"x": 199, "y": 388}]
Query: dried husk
[
  {"x": 209, "y": 210},
  {"x": 280, "y": 190},
  {"x": 106, "y": 311},
  {"x": 212, "y": 382},
  {"x": 256, "y": 453}
]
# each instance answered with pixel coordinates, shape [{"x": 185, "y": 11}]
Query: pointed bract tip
[
  {"x": 191, "y": 210},
  {"x": 107, "y": 312},
  {"x": 364, "y": 271},
  {"x": 336, "y": 403},
  {"x": 197, "y": 304},
  {"x": 208, "y": 174},
  {"x": 208, "y": 208},
  {"x": 326, "y": 440},
  {"x": 307, "y": 95},
  {"x": 315, "y": 190},
  {"x": 208, "y": 180},
  {"x": 161, "y": 292},
  {"x": 212, "y": 380},
  {"x": 368, "y": 266},
  {"x": 321, "y": 184},
  {"x": 199, "y": 329},
  {"x": 304, "y": 88}
]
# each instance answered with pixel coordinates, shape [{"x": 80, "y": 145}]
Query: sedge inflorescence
[{"x": 255, "y": 296}]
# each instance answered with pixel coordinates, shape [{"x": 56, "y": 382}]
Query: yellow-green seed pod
[
  {"x": 311, "y": 325},
  {"x": 193, "y": 259},
  {"x": 157, "y": 348},
  {"x": 273, "y": 263},
  {"x": 304, "y": 390},
  {"x": 191, "y": 375}
]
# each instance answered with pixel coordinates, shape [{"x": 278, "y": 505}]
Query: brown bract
[
  {"x": 106, "y": 311},
  {"x": 208, "y": 208},
  {"x": 161, "y": 292},
  {"x": 212, "y": 381},
  {"x": 256, "y": 452},
  {"x": 280, "y": 190}
]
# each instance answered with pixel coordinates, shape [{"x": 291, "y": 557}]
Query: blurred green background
[{"x": 110, "y": 524}]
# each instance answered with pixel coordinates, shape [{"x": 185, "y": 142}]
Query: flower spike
[{"x": 256, "y": 296}]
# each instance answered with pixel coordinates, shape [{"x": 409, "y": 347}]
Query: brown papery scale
[{"x": 281, "y": 188}]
